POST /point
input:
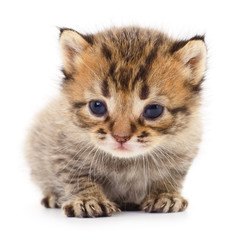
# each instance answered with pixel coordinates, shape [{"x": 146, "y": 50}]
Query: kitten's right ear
[{"x": 72, "y": 46}]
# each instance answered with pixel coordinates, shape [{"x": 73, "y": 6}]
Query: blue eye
[
  {"x": 153, "y": 111},
  {"x": 98, "y": 108}
]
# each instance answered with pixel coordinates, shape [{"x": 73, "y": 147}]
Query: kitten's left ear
[
  {"x": 72, "y": 46},
  {"x": 193, "y": 54}
]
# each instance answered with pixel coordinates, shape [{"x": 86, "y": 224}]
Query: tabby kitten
[{"x": 125, "y": 128}]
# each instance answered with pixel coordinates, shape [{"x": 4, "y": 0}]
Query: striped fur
[{"x": 75, "y": 156}]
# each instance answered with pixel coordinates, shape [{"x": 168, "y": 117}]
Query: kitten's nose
[{"x": 121, "y": 139}]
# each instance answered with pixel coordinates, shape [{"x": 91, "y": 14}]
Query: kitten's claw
[
  {"x": 89, "y": 208},
  {"x": 163, "y": 203}
]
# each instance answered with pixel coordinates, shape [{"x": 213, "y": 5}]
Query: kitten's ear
[
  {"x": 72, "y": 46},
  {"x": 193, "y": 54}
]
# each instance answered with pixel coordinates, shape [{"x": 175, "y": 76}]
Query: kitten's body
[{"x": 66, "y": 148}]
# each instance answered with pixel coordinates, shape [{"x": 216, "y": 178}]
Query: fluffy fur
[{"x": 75, "y": 156}]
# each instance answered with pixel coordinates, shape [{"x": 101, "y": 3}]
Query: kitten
[{"x": 126, "y": 126}]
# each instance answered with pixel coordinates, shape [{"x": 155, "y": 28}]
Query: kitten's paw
[
  {"x": 163, "y": 203},
  {"x": 80, "y": 207},
  {"x": 50, "y": 201}
]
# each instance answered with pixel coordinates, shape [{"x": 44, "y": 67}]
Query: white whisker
[
  {"x": 159, "y": 171},
  {"x": 171, "y": 161},
  {"x": 167, "y": 170}
]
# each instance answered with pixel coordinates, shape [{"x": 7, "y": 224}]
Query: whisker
[
  {"x": 80, "y": 168},
  {"x": 170, "y": 160},
  {"x": 148, "y": 190},
  {"x": 167, "y": 170},
  {"x": 91, "y": 164},
  {"x": 159, "y": 171},
  {"x": 76, "y": 161},
  {"x": 173, "y": 153}
]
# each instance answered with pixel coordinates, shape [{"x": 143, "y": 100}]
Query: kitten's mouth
[
  {"x": 121, "y": 147},
  {"x": 123, "y": 150}
]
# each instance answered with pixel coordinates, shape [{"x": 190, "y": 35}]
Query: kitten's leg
[
  {"x": 164, "y": 199},
  {"x": 87, "y": 201}
]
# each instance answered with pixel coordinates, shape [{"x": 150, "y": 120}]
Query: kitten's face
[{"x": 132, "y": 89}]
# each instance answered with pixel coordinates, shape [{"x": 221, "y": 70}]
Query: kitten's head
[{"x": 131, "y": 89}]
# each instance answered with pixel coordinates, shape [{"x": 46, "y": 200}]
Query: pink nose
[{"x": 121, "y": 139}]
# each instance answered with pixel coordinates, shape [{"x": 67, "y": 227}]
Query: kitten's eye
[
  {"x": 98, "y": 108},
  {"x": 153, "y": 111}
]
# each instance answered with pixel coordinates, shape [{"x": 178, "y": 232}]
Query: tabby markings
[
  {"x": 144, "y": 69},
  {"x": 144, "y": 93},
  {"x": 79, "y": 104},
  {"x": 106, "y": 52},
  {"x": 105, "y": 89}
]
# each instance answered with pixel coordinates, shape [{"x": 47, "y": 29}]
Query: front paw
[
  {"x": 163, "y": 203},
  {"x": 50, "y": 201},
  {"x": 89, "y": 207}
]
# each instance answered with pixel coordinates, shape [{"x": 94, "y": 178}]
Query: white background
[{"x": 30, "y": 76}]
